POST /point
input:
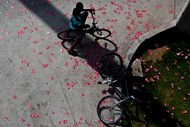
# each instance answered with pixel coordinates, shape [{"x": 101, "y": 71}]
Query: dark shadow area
[
  {"x": 152, "y": 109},
  {"x": 107, "y": 44},
  {"x": 92, "y": 50},
  {"x": 88, "y": 49},
  {"x": 169, "y": 36},
  {"x": 47, "y": 13},
  {"x": 184, "y": 23}
]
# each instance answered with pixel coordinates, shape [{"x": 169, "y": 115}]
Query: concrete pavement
[{"x": 40, "y": 84}]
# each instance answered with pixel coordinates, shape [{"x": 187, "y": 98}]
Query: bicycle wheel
[
  {"x": 110, "y": 65},
  {"x": 101, "y": 33},
  {"x": 66, "y": 44},
  {"x": 67, "y": 35},
  {"x": 109, "y": 111}
]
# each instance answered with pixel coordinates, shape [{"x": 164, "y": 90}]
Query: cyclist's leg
[
  {"x": 78, "y": 39},
  {"x": 74, "y": 44}
]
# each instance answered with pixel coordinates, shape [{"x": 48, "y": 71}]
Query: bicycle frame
[
  {"x": 121, "y": 101},
  {"x": 93, "y": 19},
  {"x": 110, "y": 81},
  {"x": 94, "y": 27}
]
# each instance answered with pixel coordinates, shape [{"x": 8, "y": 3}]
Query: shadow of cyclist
[{"x": 93, "y": 50}]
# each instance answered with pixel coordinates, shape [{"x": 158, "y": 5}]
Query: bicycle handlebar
[
  {"x": 92, "y": 12},
  {"x": 107, "y": 81}
]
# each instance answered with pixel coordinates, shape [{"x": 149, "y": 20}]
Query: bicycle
[
  {"x": 70, "y": 35},
  {"x": 110, "y": 108}
]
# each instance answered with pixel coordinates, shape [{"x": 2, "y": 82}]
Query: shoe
[{"x": 73, "y": 53}]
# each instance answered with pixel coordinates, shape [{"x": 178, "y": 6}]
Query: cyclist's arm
[{"x": 88, "y": 10}]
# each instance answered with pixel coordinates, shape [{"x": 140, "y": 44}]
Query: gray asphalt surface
[{"x": 41, "y": 85}]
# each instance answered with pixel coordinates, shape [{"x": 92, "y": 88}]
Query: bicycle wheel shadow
[{"x": 92, "y": 49}]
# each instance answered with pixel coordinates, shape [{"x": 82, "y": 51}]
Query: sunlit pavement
[{"x": 40, "y": 84}]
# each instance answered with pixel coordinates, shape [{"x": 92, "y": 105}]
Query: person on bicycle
[{"x": 77, "y": 23}]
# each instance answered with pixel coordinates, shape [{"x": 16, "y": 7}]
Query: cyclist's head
[{"x": 79, "y": 6}]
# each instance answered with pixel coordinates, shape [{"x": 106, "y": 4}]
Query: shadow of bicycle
[{"x": 92, "y": 49}]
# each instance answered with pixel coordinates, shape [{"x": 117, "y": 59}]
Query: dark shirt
[{"x": 76, "y": 20}]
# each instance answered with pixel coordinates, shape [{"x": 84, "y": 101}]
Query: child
[{"x": 77, "y": 22}]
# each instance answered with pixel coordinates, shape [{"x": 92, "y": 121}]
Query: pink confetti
[
  {"x": 34, "y": 50},
  {"x": 29, "y": 37},
  {"x": 184, "y": 111},
  {"x": 137, "y": 35},
  {"x": 182, "y": 78},
  {"x": 40, "y": 53},
  {"x": 45, "y": 65},
  {"x": 132, "y": 22},
  {"x": 14, "y": 96},
  {"x": 76, "y": 64},
  {"x": 148, "y": 24},
  {"x": 68, "y": 86},
  {"x": 50, "y": 60},
  {"x": 9, "y": 15},
  {"x": 128, "y": 28},
  {"x": 52, "y": 78},
  {"x": 165, "y": 104},
  {"x": 25, "y": 21},
  {"x": 33, "y": 71},
  {"x": 184, "y": 99},
  {"x": 28, "y": 124},
  {"x": 31, "y": 31},
  {"x": 172, "y": 11},
  {"x": 172, "y": 85},
  {"x": 66, "y": 64},
  {"x": 83, "y": 95},
  {"x": 6, "y": 119},
  {"x": 20, "y": 32},
  {"x": 53, "y": 113},
  {"x": 34, "y": 115},
  {"x": 158, "y": 6},
  {"x": 22, "y": 120},
  {"x": 21, "y": 69},
  {"x": 35, "y": 42},
  {"x": 112, "y": 20},
  {"x": 30, "y": 107},
  {"x": 104, "y": 13},
  {"x": 63, "y": 122},
  {"x": 167, "y": 68},
  {"x": 48, "y": 47},
  {"x": 66, "y": 113}
]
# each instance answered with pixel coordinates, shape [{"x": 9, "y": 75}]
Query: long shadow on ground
[{"x": 91, "y": 50}]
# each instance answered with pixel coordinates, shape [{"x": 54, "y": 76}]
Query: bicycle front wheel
[
  {"x": 109, "y": 110},
  {"x": 110, "y": 65},
  {"x": 101, "y": 33}
]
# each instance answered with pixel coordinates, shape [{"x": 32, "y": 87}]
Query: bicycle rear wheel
[
  {"x": 67, "y": 35},
  {"x": 110, "y": 65},
  {"x": 101, "y": 33},
  {"x": 109, "y": 111}
]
